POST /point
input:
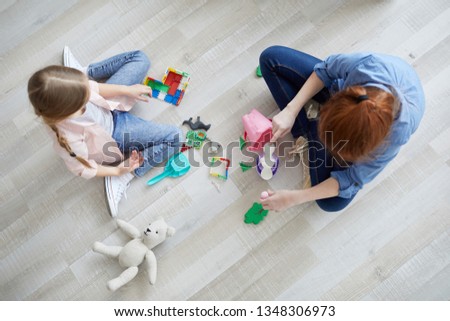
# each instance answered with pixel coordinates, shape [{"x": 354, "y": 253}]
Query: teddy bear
[{"x": 136, "y": 251}]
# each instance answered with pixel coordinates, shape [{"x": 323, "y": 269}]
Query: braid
[
  {"x": 56, "y": 92},
  {"x": 64, "y": 144}
]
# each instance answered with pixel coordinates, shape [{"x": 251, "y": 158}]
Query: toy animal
[
  {"x": 197, "y": 125},
  {"x": 136, "y": 251}
]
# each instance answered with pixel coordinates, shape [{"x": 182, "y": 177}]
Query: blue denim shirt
[{"x": 391, "y": 74}]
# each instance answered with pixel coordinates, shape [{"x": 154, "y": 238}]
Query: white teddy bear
[{"x": 136, "y": 251}]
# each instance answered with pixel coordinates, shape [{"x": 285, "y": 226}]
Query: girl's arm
[
  {"x": 135, "y": 91},
  {"x": 126, "y": 166},
  {"x": 282, "y": 123},
  {"x": 283, "y": 199},
  {"x": 103, "y": 171}
]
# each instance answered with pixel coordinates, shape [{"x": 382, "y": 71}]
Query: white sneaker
[
  {"x": 69, "y": 60},
  {"x": 115, "y": 188}
]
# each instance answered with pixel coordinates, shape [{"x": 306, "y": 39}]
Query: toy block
[
  {"x": 225, "y": 164},
  {"x": 162, "y": 96},
  {"x": 172, "y": 90},
  {"x": 173, "y": 80},
  {"x": 156, "y": 85},
  {"x": 172, "y": 76},
  {"x": 168, "y": 98},
  {"x": 172, "y": 87}
]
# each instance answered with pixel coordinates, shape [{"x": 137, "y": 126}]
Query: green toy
[
  {"x": 258, "y": 72},
  {"x": 245, "y": 167},
  {"x": 255, "y": 214},
  {"x": 242, "y": 143},
  {"x": 195, "y": 138}
]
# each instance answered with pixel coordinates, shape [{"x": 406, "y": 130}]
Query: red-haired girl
[{"x": 371, "y": 104}]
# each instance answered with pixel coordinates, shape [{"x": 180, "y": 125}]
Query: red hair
[{"x": 360, "y": 116}]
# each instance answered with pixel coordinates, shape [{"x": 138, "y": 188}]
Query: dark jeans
[{"x": 285, "y": 71}]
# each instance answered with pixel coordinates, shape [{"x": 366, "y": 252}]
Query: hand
[
  {"x": 134, "y": 161},
  {"x": 282, "y": 123},
  {"x": 279, "y": 200},
  {"x": 139, "y": 92}
]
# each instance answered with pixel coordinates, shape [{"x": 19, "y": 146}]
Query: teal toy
[
  {"x": 176, "y": 166},
  {"x": 255, "y": 214}
]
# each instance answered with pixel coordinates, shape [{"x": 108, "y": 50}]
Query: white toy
[{"x": 136, "y": 251}]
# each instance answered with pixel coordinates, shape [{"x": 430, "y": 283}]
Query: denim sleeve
[
  {"x": 338, "y": 66},
  {"x": 352, "y": 179}
]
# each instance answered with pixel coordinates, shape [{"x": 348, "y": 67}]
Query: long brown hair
[
  {"x": 56, "y": 92},
  {"x": 360, "y": 116}
]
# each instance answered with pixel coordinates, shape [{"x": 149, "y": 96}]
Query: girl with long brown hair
[
  {"x": 371, "y": 104},
  {"x": 86, "y": 112}
]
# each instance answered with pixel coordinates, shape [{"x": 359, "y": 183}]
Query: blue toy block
[
  {"x": 168, "y": 98},
  {"x": 155, "y": 93},
  {"x": 177, "y": 94}
]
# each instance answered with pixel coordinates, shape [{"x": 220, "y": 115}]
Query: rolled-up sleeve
[
  {"x": 338, "y": 66},
  {"x": 352, "y": 179}
]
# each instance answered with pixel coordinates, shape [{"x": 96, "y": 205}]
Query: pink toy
[
  {"x": 264, "y": 195},
  {"x": 258, "y": 130}
]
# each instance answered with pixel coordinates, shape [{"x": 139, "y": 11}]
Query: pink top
[{"x": 89, "y": 140}]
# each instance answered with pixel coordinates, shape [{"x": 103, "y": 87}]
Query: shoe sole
[
  {"x": 107, "y": 197},
  {"x": 65, "y": 60}
]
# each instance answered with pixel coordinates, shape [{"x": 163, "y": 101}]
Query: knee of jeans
[
  {"x": 175, "y": 134},
  {"x": 268, "y": 53},
  {"x": 143, "y": 58},
  {"x": 329, "y": 205}
]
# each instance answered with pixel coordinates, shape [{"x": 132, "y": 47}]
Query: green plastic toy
[
  {"x": 242, "y": 143},
  {"x": 258, "y": 72},
  {"x": 195, "y": 138},
  {"x": 245, "y": 167},
  {"x": 255, "y": 214}
]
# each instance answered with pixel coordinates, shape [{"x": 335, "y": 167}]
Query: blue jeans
[
  {"x": 285, "y": 71},
  {"x": 157, "y": 142}
]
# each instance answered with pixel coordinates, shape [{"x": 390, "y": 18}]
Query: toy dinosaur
[{"x": 197, "y": 125}]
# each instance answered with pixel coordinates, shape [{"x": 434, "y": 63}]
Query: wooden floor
[{"x": 391, "y": 243}]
